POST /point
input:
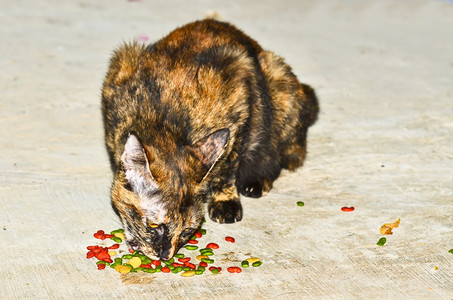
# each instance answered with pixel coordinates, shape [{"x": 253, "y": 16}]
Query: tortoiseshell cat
[{"x": 204, "y": 114}]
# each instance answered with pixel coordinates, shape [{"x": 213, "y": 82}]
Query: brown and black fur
[{"x": 204, "y": 114}]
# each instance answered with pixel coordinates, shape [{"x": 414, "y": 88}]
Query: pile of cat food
[{"x": 134, "y": 261}]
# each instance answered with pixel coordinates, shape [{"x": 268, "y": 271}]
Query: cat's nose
[{"x": 164, "y": 254}]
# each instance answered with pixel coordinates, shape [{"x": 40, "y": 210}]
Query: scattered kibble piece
[
  {"x": 120, "y": 235},
  {"x": 192, "y": 242},
  {"x": 257, "y": 263},
  {"x": 200, "y": 257},
  {"x": 451, "y": 251},
  {"x": 112, "y": 253},
  {"x": 234, "y": 269},
  {"x": 191, "y": 247},
  {"x": 230, "y": 239},
  {"x": 381, "y": 241},
  {"x": 300, "y": 203},
  {"x": 212, "y": 246},
  {"x": 135, "y": 262},
  {"x": 347, "y": 208},
  {"x": 245, "y": 264},
  {"x": 123, "y": 269},
  {"x": 165, "y": 270},
  {"x": 198, "y": 234},
  {"x": 251, "y": 260},
  {"x": 188, "y": 273},
  {"x": 388, "y": 227}
]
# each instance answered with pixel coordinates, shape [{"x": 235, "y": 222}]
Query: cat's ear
[
  {"x": 136, "y": 167},
  {"x": 209, "y": 149}
]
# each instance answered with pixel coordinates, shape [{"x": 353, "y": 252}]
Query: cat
[{"x": 202, "y": 115}]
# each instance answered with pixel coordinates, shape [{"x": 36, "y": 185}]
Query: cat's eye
[{"x": 153, "y": 225}]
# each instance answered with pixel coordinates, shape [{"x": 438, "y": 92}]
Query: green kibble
[
  {"x": 101, "y": 262},
  {"x": 381, "y": 241},
  {"x": 179, "y": 255},
  {"x": 169, "y": 262},
  {"x": 158, "y": 268},
  {"x": 208, "y": 260},
  {"x": 203, "y": 231},
  {"x": 204, "y": 221},
  {"x": 257, "y": 263},
  {"x": 149, "y": 270},
  {"x": 121, "y": 230},
  {"x": 191, "y": 247},
  {"x": 199, "y": 272},
  {"x": 116, "y": 239},
  {"x": 300, "y": 203},
  {"x": 186, "y": 269},
  {"x": 245, "y": 264},
  {"x": 127, "y": 256},
  {"x": 176, "y": 270},
  {"x": 451, "y": 251},
  {"x": 201, "y": 268},
  {"x": 215, "y": 271}
]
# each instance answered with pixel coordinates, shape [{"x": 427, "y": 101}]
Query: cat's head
[{"x": 159, "y": 195}]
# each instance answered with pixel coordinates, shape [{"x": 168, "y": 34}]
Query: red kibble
[
  {"x": 345, "y": 208},
  {"x": 156, "y": 263},
  {"x": 184, "y": 259},
  {"x": 92, "y": 247},
  {"x": 212, "y": 246},
  {"x": 198, "y": 234},
  {"x": 101, "y": 266},
  {"x": 234, "y": 270},
  {"x": 100, "y": 234},
  {"x": 114, "y": 246},
  {"x": 203, "y": 264},
  {"x": 175, "y": 264},
  {"x": 90, "y": 254},
  {"x": 192, "y": 242},
  {"x": 131, "y": 251},
  {"x": 190, "y": 265},
  {"x": 108, "y": 236},
  {"x": 230, "y": 239},
  {"x": 165, "y": 270},
  {"x": 212, "y": 268},
  {"x": 219, "y": 269},
  {"x": 147, "y": 266}
]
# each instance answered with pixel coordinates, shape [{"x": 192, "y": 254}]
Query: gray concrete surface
[{"x": 384, "y": 73}]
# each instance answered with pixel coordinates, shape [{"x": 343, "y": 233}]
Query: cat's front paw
[
  {"x": 229, "y": 211},
  {"x": 252, "y": 189}
]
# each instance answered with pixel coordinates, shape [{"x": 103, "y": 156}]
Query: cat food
[
  {"x": 212, "y": 246},
  {"x": 192, "y": 242},
  {"x": 230, "y": 239},
  {"x": 300, "y": 203},
  {"x": 191, "y": 247},
  {"x": 257, "y": 263},
  {"x": 451, "y": 251},
  {"x": 234, "y": 269},
  {"x": 381, "y": 241},
  {"x": 347, "y": 208},
  {"x": 135, "y": 261},
  {"x": 252, "y": 260},
  {"x": 387, "y": 228},
  {"x": 188, "y": 273}
]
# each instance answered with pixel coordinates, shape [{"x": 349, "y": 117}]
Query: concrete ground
[{"x": 383, "y": 71}]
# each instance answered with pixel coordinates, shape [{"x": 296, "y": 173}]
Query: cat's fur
[{"x": 203, "y": 114}]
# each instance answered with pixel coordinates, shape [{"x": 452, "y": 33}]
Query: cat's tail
[{"x": 311, "y": 105}]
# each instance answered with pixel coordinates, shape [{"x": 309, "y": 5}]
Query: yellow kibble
[
  {"x": 135, "y": 262},
  {"x": 200, "y": 257},
  {"x": 123, "y": 269},
  {"x": 112, "y": 253},
  {"x": 251, "y": 260},
  {"x": 188, "y": 273},
  {"x": 120, "y": 235}
]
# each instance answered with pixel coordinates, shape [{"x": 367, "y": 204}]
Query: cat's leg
[{"x": 225, "y": 204}]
